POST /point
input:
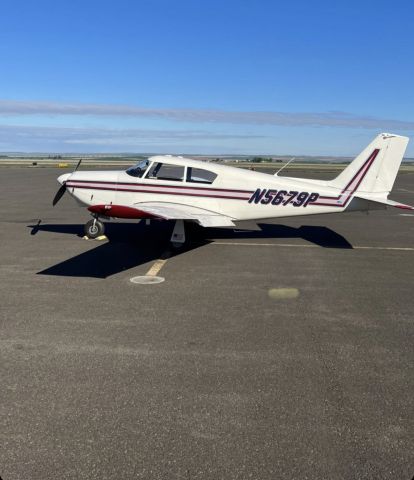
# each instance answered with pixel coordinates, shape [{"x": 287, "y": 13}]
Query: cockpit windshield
[{"x": 139, "y": 169}]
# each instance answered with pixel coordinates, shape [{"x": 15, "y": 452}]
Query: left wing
[{"x": 176, "y": 211}]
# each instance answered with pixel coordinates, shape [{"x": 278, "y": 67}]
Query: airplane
[{"x": 212, "y": 195}]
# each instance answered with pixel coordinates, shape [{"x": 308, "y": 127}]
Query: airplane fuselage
[
  {"x": 213, "y": 195},
  {"x": 236, "y": 193}
]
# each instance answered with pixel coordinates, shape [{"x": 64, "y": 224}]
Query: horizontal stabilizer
[{"x": 384, "y": 201}]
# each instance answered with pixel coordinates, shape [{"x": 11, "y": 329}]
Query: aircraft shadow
[
  {"x": 128, "y": 246},
  {"x": 132, "y": 244},
  {"x": 319, "y": 235}
]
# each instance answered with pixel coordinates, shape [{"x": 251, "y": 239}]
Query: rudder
[{"x": 374, "y": 170}]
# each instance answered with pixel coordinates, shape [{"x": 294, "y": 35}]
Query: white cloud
[
  {"x": 297, "y": 119},
  {"x": 35, "y": 138}
]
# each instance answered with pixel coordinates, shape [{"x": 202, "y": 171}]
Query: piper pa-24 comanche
[{"x": 175, "y": 188}]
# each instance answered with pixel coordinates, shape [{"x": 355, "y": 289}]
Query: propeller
[
  {"x": 77, "y": 165},
  {"x": 59, "y": 194},
  {"x": 62, "y": 189}
]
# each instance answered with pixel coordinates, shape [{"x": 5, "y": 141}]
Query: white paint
[
  {"x": 405, "y": 190},
  {"x": 147, "y": 279},
  {"x": 251, "y": 244},
  {"x": 408, "y": 249},
  {"x": 151, "y": 276},
  {"x": 254, "y": 244},
  {"x": 99, "y": 239}
]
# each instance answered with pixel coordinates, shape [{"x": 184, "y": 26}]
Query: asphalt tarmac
[{"x": 281, "y": 354}]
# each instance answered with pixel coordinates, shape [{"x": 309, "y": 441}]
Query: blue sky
[{"x": 254, "y": 77}]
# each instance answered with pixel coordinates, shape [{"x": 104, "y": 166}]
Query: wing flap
[{"x": 172, "y": 211}]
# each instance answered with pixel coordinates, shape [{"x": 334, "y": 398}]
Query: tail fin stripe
[
  {"x": 358, "y": 177},
  {"x": 367, "y": 164},
  {"x": 369, "y": 161}
]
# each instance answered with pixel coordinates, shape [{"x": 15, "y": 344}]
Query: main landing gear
[
  {"x": 94, "y": 228},
  {"x": 178, "y": 235}
]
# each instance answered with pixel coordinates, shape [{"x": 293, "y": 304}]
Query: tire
[{"x": 94, "y": 229}]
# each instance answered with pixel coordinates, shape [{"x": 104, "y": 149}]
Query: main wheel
[{"x": 94, "y": 228}]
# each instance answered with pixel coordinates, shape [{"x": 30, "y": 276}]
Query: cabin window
[
  {"x": 199, "y": 175},
  {"x": 166, "y": 171},
  {"x": 139, "y": 169}
]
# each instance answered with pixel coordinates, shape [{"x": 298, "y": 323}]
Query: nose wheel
[{"x": 94, "y": 228}]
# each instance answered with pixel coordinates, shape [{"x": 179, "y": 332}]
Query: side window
[
  {"x": 165, "y": 171},
  {"x": 199, "y": 175},
  {"x": 139, "y": 169}
]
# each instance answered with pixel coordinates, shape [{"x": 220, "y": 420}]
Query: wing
[{"x": 175, "y": 211}]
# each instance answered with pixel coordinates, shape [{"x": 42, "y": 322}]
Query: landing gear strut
[
  {"x": 94, "y": 228},
  {"x": 178, "y": 234}
]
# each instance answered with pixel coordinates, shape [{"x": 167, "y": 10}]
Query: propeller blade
[
  {"x": 59, "y": 194},
  {"x": 62, "y": 189},
  {"x": 77, "y": 166}
]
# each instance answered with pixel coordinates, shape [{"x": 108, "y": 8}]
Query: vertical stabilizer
[{"x": 375, "y": 168}]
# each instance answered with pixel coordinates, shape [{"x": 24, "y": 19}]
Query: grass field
[{"x": 70, "y": 163}]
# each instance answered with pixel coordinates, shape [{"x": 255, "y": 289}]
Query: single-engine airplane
[{"x": 175, "y": 188}]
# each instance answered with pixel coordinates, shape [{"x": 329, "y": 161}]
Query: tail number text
[{"x": 283, "y": 197}]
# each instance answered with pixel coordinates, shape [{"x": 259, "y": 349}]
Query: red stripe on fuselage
[
  {"x": 209, "y": 189},
  {"x": 136, "y": 190},
  {"x": 205, "y": 192}
]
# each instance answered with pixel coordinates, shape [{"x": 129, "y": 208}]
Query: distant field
[
  {"x": 307, "y": 166},
  {"x": 122, "y": 162}
]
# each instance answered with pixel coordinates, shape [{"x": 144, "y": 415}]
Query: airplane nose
[{"x": 63, "y": 178}]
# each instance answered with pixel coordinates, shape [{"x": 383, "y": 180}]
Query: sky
[{"x": 205, "y": 77}]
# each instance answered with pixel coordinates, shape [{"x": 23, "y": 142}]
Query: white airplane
[{"x": 175, "y": 188}]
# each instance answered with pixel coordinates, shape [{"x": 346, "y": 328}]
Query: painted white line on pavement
[{"x": 251, "y": 244}]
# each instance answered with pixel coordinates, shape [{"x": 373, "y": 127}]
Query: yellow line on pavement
[{"x": 156, "y": 267}]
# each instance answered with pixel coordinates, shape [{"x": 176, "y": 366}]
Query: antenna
[{"x": 284, "y": 166}]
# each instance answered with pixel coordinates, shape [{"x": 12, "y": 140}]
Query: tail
[{"x": 374, "y": 170}]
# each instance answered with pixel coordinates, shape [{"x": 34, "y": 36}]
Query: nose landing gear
[{"x": 94, "y": 228}]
